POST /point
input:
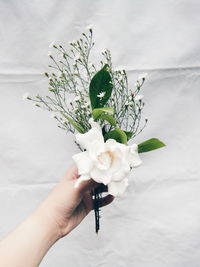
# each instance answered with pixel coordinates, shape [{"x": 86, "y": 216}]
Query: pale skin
[{"x": 63, "y": 209}]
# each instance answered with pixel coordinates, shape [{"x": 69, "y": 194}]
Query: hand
[{"x": 66, "y": 206}]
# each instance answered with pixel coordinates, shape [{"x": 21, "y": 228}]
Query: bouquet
[{"x": 97, "y": 105}]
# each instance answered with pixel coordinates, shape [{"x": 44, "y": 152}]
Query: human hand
[{"x": 66, "y": 206}]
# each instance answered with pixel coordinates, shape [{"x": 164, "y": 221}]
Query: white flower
[
  {"x": 71, "y": 42},
  {"x": 101, "y": 95},
  {"x": 89, "y": 27},
  {"x": 49, "y": 54},
  {"x": 126, "y": 103},
  {"x": 26, "y": 96},
  {"x": 138, "y": 97},
  {"x": 53, "y": 116},
  {"x": 51, "y": 44},
  {"x": 137, "y": 84},
  {"x": 36, "y": 105},
  {"x": 77, "y": 98},
  {"x": 105, "y": 162},
  {"x": 142, "y": 76},
  {"x": 77, "y": 57},
  {"x": 119, "y": 69}
]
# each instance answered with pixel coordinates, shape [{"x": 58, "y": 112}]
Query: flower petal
[
  {"x": 100, "y": 176},
  {"x": 134, "y": 158},
  {"x": 86, "y": 139},
  {"x": 96, "y": 149},
  {"x": 117, "y": 188},
  {"x": 83, "y": 162}
]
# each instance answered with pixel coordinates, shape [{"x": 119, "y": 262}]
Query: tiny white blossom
[
  {"x": 72, "y": 42},
  {"x": 101, "y": 95},
  {"x": 127, "y": 103},
  {"x": 36, "y": 105},
  {"x": 138, "y": 97},
  {"x": 53, "y": 116},
  {"x": 51, "y": 44},
  {"x": 77, "y": 57},
  {"x": 142, "y": 76},
  {"x": 26, "y": 96},
  {"x": 119, "y": 69},
  {"x": 77, "y": 98},
  {"x": 137, "y": 84}
]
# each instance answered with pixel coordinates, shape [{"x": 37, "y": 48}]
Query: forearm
[{"x": 27, "y": 245}]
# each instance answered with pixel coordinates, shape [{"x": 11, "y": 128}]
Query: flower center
[{"x": 106, "y": 159}]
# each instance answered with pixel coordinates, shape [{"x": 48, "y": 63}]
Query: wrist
[{"x": 45, "y": 223}]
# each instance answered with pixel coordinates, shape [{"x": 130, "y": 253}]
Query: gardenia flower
[{"x": 105, "y": 162}]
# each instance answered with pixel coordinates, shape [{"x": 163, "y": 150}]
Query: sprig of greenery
[{"x": 77, "y": 92}]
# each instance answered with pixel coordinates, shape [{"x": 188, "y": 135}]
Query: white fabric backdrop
[{"x": 157, "y": 223}]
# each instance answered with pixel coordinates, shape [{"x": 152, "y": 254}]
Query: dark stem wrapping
[{"x": 97, "y": 197}]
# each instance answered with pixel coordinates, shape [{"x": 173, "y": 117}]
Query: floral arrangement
[{"x": 97, "y": 105}]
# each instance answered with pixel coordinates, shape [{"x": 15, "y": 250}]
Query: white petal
[
  {"x": 96, "y": 149},
  {"x": 122, "y": 173},
  {"x": 83, "y": 162},
  {"x": 81, "y": 179},
  {"x": 134, "y": 158},
  {"x": 95, "y": 133},
  {"x": 117, "y": 188},
  {"x": 94, "y": 124},
  {"x": 116, "y": 163},
  {"x": 100, "y": 176}
]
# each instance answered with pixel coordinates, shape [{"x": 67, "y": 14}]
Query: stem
[{"x": 97, "y": 197}]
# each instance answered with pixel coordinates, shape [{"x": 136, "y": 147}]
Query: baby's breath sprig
[{"x": 69, "y": 80}]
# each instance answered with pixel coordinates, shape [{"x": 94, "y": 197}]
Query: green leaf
[
  {"x": 108, "y": 118},
  {"x": 129, "y": 134},
  {"x": 100, "y": 83},
  {"x": 149, "y": 145},
  {"x": 76, "y": 125},
  {"x": 104, "y": 114},
  {"x": 118, "y": 135},
  {"x": 99, "y": 111}
]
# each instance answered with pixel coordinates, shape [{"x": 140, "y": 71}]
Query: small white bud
[
  {"x": 77, "y": 57},
  {"x": 138, "y": 97},
  {"x": 51, "y": 44},
  {"x": 26, "y": 96},
  {"x": 101, "y": 95},
  {"x": 127, "y": 103},
  {"x": 72, "y": 42},
  {"x": 77, "y": 98},
  {"x": 53, "y": 116},
  {"x": 36, "y": 105}
]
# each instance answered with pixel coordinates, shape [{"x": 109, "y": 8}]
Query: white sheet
[{"x": 157, "y": 223}]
